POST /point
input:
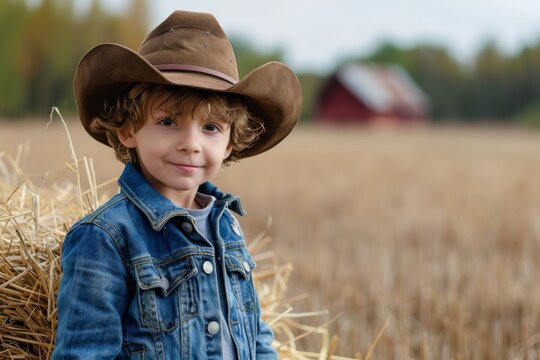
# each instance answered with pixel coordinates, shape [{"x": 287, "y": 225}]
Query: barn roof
[{"x": 383, "y": 88}]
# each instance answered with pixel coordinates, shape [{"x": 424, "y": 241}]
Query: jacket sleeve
[
  {"x": 265, "y": 336},
  {"x": 92, "y": 296}
]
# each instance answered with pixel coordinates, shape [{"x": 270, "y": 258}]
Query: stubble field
[{"x": 427, "y": 236}]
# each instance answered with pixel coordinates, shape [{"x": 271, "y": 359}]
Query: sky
[{"x": 315, "y": 34}]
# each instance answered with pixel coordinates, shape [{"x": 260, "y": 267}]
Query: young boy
[{"x": 161, "y": 271}]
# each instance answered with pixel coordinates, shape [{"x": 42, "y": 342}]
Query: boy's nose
[{"x": 190, "y": 142}]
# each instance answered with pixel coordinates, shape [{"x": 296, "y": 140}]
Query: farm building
[{"x": 368, "y": 93}]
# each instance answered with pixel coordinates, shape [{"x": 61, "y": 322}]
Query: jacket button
[
  {"x": 246, "y": 266},
  {"x": 213, "y": 328},
  {"x": 236, "y": 228},
  {"x": 187, "y": 227},
  {"x": 208, "y": 267}
]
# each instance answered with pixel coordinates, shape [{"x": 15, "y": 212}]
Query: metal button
[
  {"x": 187, "y": 227},
  {"x": 165, "y": 282},
  {"x": 246, "y": 266},
  {"x": 208, "y": 267},
  {"x": 236, "y": 228},
  {"x": 213, "y": 328}
]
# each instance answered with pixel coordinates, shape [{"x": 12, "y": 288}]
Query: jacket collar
[{"x": 157, "y": 208}]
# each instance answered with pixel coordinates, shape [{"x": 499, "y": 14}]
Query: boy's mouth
[{"x": 188, "y": 168}]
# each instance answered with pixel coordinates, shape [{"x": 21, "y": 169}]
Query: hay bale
[{"x": 30, "y": 239}]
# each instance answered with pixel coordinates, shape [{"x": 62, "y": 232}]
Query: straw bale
[{"x": 33, "y": 222}]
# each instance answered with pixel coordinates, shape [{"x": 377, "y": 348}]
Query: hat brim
[{"x": 272, "y": 91}]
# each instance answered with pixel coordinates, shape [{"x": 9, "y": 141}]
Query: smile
[{"x": 186, "y": 168}]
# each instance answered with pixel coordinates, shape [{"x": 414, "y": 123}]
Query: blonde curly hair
[{"x": 142, "y": 99}]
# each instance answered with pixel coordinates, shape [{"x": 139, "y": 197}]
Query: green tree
[
  {"x": 42, "y": 45},
  {"x": 311, "y": 83},
  {"x": 489, "y": 90},
  {"x": 248, "y": 57},
  {"x": 13, "y": 65},
  {"x": 525, "y": 70},
  {"x": 439, "y": 74}
]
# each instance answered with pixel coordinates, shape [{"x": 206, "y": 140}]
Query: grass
[
  {"x": 423, "y": 241},
  {"x": 434, "y": 229}
]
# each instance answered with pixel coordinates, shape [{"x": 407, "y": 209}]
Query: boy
[{"x": 161, "y": 270}]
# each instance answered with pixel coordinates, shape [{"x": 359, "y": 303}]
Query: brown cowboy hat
[{"x": 189, "y": 49}]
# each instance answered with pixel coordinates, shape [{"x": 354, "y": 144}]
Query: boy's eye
[
  {"x": 211, "y": 127},
  {"x": 167, "y": 122}
]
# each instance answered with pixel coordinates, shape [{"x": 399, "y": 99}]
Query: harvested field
[{"x": 431, "y": 234}]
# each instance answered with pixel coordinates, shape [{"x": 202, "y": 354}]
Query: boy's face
[{"x": 177, "y": 155}]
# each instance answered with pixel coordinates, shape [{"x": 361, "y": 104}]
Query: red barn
[{"x": 367, "y": 93}]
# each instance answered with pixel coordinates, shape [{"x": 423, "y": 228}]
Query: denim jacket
[{"x": 136, "y": 281}]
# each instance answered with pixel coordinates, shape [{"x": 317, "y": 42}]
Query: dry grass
[
  {"x": 430, "y": 234},
  {"x": 33, "y": 223},
  {"x": 436, "y": 229}
]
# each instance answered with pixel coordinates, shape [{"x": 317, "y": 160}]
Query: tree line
[
  {"x": 493, "y": 86},
  {"x": 42, "y": 44}
]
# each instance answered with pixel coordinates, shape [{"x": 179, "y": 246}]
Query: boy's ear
[
  {"x": 127, "y": 137},
  {"x": 228, "y": 151}
]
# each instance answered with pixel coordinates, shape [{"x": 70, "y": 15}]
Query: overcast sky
[{"x": 314, "y": 34}]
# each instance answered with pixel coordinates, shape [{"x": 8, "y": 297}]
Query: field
[{"x": 430, "y": 234}]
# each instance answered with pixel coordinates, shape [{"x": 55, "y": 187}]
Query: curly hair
[{"x": 142, "y": 99}]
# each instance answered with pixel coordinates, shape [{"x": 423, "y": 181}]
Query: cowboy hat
[{"x": 189, "y": 49}]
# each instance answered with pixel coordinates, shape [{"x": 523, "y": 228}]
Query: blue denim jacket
[{"x": 135, "y": 281}]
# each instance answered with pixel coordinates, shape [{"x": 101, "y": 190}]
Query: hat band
[{"x": 194, "y": 68}]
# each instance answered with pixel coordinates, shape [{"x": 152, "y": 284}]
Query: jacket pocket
[
  {"x": 137, "y": 354},
  {"x": 166, "y": 292},
  {"x": 240, "y": 266}
]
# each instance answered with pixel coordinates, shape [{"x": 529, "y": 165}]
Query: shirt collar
[{"x": 157, "y": 208}]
